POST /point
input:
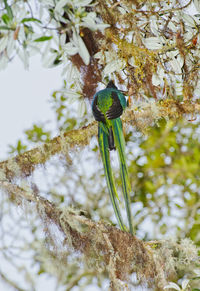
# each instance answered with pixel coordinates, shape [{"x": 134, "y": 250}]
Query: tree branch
[
  {"x": 142, "y": 116},
  {"x": 107, "y": 248}
]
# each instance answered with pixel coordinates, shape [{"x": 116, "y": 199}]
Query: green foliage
[
  {"x": 18, "y": 149},
  {"x": 9, "y": 10},
  {"x": 5, "y": 18},
  {"x": 37, "y": 134},
  {"x": 30, "y": 19},
  {"x": 43, "y": 38},
  {"x": 165, "y": 177}
]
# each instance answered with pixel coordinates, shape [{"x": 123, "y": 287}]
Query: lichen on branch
[
  {"x": 104, "y": 248},
  {"x": 142, "y": 117}
]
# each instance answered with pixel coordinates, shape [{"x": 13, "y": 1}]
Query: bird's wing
[
  {"x": 98, "y": 115},
  {"x": 115, "y": 109}
]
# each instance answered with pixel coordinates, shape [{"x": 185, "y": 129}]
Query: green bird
[{"x": 107, "y": 107}]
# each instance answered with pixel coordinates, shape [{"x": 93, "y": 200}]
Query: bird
[{"x": 107, "y": 107}]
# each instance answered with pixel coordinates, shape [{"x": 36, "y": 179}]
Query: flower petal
[
  {"x": 115, "y": 65},
  {"x": 83, "y": 52},
  {"x": 3, "y": 43},
  {"x": 185, "y": 283},
  {"x": 172, "y": 285},
  {"x": 153, "y": 43}
]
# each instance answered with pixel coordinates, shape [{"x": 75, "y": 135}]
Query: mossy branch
[
  {"x": 106, "y": 248},
  {"x": 142, "y": 116}
]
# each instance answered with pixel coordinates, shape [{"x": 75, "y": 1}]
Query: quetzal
[{"x": 107, "y": 107}]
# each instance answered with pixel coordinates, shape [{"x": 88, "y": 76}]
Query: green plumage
[
  {"x": 107, "y": 106},
  {"x": 104, "y": 149}
]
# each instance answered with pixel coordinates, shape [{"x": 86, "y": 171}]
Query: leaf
[
  {"x": 30, "y": 19},
  {"x": 9, "y": 10},
  {"x": 5, "y": 18},
  {"x": 5, "y": 28},
  {"x": 43, "y": 38},
  {"x": 19, "y": 148},
  {"x": 37, "y": 133}
]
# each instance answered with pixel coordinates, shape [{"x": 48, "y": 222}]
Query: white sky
[{"x": 23, "y": 99}]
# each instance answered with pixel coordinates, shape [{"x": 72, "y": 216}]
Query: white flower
[
  {"x": 169, "y": 4},
  {"x": 82, "y": 3},
  {"x": 172, "y": 285},
  {"x": 188, "y": 35},
  {"x": 154, "y": 26},
  {"x": 179, "y": 88},
  {"x": 21, "y": 34},
  {"x": 10, "y": 46},
  {"x": 157, "y": 78},
  {"x": 24, "y": 56},
  {"x": 113, "y": 66},
  {"x": 172, "y": 54},
  {"x": 131, "y": 62},
  {"x": 90, "y": 21},
  {"x": 197, "y": 94},
  {"x": 3, "y": 62},
  {"x": 48, "y": 2},
  {"x": 77, "y": 45},
  {"x": 81, "y": 108},
  {"x": 184, "y": 286},
  {"x": 59, "y": 6},
  {"x": 177, "y": 64},
  {"x": 172, "y": 26},
  {"x": 153, "y": 43},
  {"x": 121, "y": 10},
  {"x": 70, "y": 72},
  {"x": 72, "y": 94},
  {"x": 197, "y": 271},
  {"x": 197, "y": 5},
  {"x": 100, "y": 56},
  {"x": 74, "y": 3},
  {"x": 70, "y": 48},
  {"x": 3, "y": 43},
  {"x": 83, "y": 52},
  {"x": 190, "y": 20},
  {"x": 49, "y": 59}
]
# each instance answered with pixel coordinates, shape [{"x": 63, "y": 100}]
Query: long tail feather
[
  {"x": 120, "y": 145},
  {"x": 104, "y": 149}
]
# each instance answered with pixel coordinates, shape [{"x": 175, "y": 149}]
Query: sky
[
  {"x": 24, "y": 101},
  {"x": 24, "y": 98}
]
